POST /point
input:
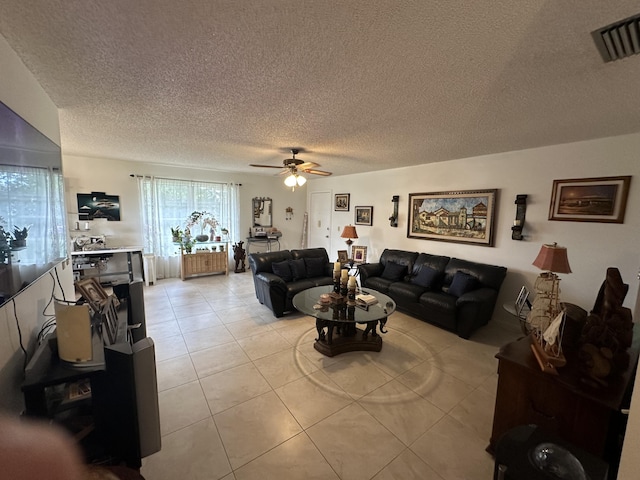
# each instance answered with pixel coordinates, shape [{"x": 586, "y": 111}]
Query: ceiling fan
[{"x": 293, "y": 166}]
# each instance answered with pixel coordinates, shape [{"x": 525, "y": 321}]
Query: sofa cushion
[
  {"x": 283, "y": 270},
  {"x": 394, "y": 271},
  {"x": 405, "y": 293},
  {"x": 315, "y": 266},
  {"x": 427, "y": 277},
  {"x": 462, "y": 283},
  {"x": 298, "y": 269},
  {"x": 380, "y": 284}
]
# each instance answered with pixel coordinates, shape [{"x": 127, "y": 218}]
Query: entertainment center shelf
[{"x": 86, "y": 263}]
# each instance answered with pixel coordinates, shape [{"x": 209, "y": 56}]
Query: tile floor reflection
[{"x": 244, "y": 395}]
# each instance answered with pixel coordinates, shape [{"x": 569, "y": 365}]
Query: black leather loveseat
[
  {"x": 278, "y": 276},
  {"x": 454, "y": 294}
]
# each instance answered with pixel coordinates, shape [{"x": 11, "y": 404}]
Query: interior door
[{"x": 320, "y": 221}]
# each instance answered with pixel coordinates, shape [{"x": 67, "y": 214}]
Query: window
[{"x": 166, "y": 203}]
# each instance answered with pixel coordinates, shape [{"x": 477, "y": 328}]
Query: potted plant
[
  {"x": 20, "y": 237},
  {"x": 176, "y": 234},
  {"x": 202, "y": 219},
  {"x": 5, "y": 248},
  {"x": 188, "y": 243}
]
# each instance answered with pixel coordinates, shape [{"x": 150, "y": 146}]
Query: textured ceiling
[{"x": 361, "y": 85}]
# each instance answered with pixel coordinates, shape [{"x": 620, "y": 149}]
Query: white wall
[
  {"x": 21, "y": 92},
  {"x": 592, "y": 247},
  {"x": 85, "y": 175}
]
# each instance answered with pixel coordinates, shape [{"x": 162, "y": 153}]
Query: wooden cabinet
[
  {"x": 569, "y": 405},
  {"x": 205, "y": 262}
]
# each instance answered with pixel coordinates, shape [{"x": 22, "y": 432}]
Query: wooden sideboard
[
  {"x": 205, "y": 262},
  {"x": 568, "y": 405}
]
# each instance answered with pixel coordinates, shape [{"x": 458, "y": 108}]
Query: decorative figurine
[{"x": 239, "y": 255}]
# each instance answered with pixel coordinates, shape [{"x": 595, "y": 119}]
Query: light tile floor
[{"x": 244, "y": 395}]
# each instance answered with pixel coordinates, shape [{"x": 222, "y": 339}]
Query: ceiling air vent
[{"x": 618, "y": 40}]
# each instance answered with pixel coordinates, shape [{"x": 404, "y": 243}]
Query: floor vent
[{"x": 618, "y": 40}]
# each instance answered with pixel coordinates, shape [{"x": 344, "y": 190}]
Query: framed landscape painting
[
  {"x": 602, "y": 199},
  {"x": 462, "y": 217}
]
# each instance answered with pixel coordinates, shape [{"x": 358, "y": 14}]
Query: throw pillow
[
  {"x": 462, "y": 283},
  {"x": 298, "y": 269},
  {"x": 426, "y": 277},
  {"x": 283, "y": 270},
  {"x": 315, "y": 266},
  {"x": 394, "y": 271}
]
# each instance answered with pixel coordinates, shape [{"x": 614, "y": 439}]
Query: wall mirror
[{"x": 262, "y": 212}]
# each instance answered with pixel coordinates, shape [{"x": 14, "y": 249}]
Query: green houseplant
[
  {"x": 20, "y": 235},
  {"x": 176, "y": 234}
]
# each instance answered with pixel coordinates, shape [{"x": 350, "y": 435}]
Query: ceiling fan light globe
[
  {"x": 290, "y": 181},
  {"x": 301, "y": 180}
]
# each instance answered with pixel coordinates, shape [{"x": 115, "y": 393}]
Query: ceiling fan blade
[
  {"x": 317, "y": 172},
  {"x": 308, "y": 165},
  {"x": 263, "y": 166}
]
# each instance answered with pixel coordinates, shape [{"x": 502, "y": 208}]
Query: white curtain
[
  {"x": 166, "y": 203},
  {"x": 33, "y": 197}
]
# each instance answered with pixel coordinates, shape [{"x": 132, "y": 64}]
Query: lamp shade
[
  {"x": 349, "y": 232},
  {"x": 553, "y": 258},
  {"x": 290, "y": 181}
]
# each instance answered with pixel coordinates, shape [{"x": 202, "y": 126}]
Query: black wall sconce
[
  {"x": 518, "y": 223},
  {"x": 393, "y": 219}
]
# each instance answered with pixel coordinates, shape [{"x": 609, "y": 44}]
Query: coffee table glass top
[{"x": 305, "y": 300}]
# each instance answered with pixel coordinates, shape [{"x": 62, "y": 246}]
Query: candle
[
  {"x": 336, "y": 266},
  {"x": 344, "y": 274},
  {"x": 352, "y": 281},
  {"x": 517, "y": 223}
]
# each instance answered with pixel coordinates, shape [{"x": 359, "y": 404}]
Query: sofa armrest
[
  {"x": 271, "y": 279},
  {"x": 474, "y": 309},
  {"x": 368, "y": 270}
]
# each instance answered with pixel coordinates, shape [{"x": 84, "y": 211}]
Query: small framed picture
[
  {"x": 359, "y": 254},
  {"x": 92, "y": 292},
  {"x": 343, "y": 256},
  {"x": 342, "y": 202},
  {"x": 364, "y": 216}
]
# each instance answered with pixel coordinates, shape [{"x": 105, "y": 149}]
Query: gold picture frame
[{"x": 92, "y": 292}]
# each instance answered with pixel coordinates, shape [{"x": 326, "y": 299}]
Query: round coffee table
[{"x": 336, "y": 323}]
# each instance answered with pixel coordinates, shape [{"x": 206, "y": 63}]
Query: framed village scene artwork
[{"x": 462, "y": 217}]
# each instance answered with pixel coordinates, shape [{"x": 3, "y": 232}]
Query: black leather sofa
[
  {"x": 457, "y": 295},
  {"x": 278, "y": 276}
]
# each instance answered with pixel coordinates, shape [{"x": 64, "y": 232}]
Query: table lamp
[
  {"x": 349, "y": 232},
  {"x": 545, "y": 318}
]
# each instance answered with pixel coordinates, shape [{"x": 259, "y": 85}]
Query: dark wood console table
[{"x": 576, "y": 410}]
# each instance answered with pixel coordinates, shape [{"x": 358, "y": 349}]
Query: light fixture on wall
[{"x": 349, "y": 232}]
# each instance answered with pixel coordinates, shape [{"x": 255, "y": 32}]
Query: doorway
[{"x": 320, "y": 221}]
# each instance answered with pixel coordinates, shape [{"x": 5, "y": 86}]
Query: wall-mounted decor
[
  {"x": 98, "y": 205},
  {"x": 602, "y": 199},
  {"x": 521, "y": 211},
  {"x": 359, "y": 254},
  {"x": 393, "y": 219},
  {"x": 364, "y": 215},
  {"x": 341, "y": 202},
  {"x": 464, "y": 217}
]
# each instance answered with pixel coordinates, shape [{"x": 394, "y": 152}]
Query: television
[{"x": 33, "y": 230}]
